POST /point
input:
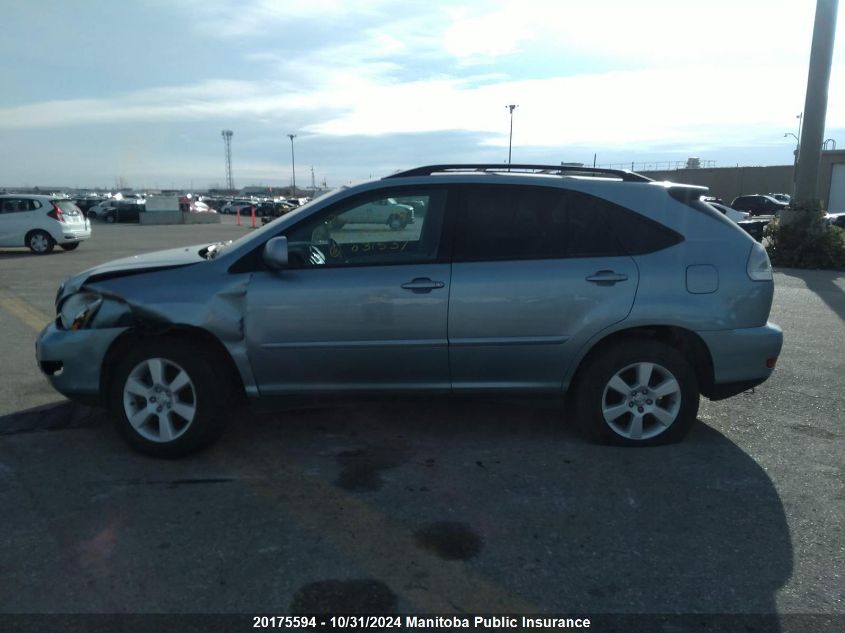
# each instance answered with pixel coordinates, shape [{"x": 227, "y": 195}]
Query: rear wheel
[
  {"x": 70, "y": 247},
  {"x": 396, "y": 223},
  {"x": 40, "y": 242},
  {"x": 170, "y": 398},
  {"x": 637, "y": 393}
]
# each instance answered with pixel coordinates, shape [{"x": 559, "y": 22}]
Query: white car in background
[
  {"x": 41, "y": 222},
  {"x": 384, "y": 211},
  {"x": 231, "y": 208}
]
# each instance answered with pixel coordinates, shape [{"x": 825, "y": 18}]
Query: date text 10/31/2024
[{"x": 438, "y": 622}]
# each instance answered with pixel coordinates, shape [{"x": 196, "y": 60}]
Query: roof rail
[{"x": 561, "y": 170}]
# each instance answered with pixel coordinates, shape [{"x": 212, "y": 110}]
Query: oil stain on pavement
[
  {"x": 449, "y": 540},
  {"x": 814, "y": 431},
  {"x": 362, "y": 467},
  {"x": 366, "y": 595}
]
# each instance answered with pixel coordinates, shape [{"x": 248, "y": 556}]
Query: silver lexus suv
[{"x": 633, "y": 296}]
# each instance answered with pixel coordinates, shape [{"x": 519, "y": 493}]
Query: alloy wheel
[
  {"x": 641, "y": 401},
  {"x": 159, "y": 400}
]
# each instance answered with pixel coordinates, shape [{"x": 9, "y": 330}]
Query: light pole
[
  {"x": 227, "y": 142},
  {"x": 797, "y": 137},
  {"x": 794, "y": 158},
  {"x": 510, "y": 137},
  {"x": 292, "y": 164}
]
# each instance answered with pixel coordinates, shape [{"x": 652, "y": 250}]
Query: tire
[
  {"x": 158, "y": 419},
  {"x": 396, "y": 223},
  {"x": 610, "y": 405},
  {"x": 109, "y": 218},
  {"x": 70, "y": 247},
  {"x": 40, "y": 242}
]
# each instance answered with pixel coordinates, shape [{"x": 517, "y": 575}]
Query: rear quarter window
[{"x": 594, "y": 220}]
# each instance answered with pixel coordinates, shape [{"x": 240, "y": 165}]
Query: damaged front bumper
[{"x": 72, "y": 360}]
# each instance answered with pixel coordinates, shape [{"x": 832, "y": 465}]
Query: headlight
[{"x": 78, "y": 310}]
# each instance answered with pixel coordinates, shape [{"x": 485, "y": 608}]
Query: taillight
[
  {"x": 56, "y": 213},
  {"x": 759, "y": 267}
]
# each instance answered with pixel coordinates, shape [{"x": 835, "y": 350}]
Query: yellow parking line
[
  {"x": 377, "y": 543},
  {"x": 28, "y": 314}
]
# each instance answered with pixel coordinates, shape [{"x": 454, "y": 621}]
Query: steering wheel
[
  {"x": 319, "y": 257},
  {"x": 336, "y": 251}
]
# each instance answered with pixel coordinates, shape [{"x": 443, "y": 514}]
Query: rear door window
[
  {"x": 512, "y": 223},
  {"x": 14, "y": 205}
]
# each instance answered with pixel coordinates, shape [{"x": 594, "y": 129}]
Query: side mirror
[{"x": 275, "y": 253}]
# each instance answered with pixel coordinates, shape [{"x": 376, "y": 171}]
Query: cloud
[
  {"x": 213, "y": 99},
  {"x": 653, "y": 76},
  {"x": 618, "y": 107},
  {"x": 227, "y": 19}
]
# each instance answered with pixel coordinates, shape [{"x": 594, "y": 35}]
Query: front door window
[{"x": 373, "y": 230}]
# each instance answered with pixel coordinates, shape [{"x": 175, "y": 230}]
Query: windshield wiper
[{"x": 213, "y": 250}]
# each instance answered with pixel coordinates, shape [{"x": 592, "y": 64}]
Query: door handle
[
  {"x": 607, "y": 277},
  {"x": 422, "y": 284}
]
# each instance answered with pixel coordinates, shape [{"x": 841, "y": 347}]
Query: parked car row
[
  {"x": 263, "y": 208},
  {"x": 41, "y": 222},
  {"x": 743, "y": 218}
]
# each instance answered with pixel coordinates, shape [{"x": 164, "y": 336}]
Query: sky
[{"x": 94, "y": 93}]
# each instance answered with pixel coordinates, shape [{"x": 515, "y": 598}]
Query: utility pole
[
  {"x": 227, "y": 142},
  {"x": 292, "y": 165},
  {"x": 510, "y": 137},
  {"x": 815, "y": 105}
]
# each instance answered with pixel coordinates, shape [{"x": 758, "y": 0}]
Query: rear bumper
[
  {"x": 66, "y": 235},
  {"x": 741, "y": 358}
]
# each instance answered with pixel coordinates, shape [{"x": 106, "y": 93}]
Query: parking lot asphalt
[{"x": 426, "y": 506}]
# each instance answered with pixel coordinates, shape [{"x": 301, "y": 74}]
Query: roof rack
[{"x": 561, "y": 170}]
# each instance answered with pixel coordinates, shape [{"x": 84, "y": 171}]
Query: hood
[{"x": 157, "y": 260}]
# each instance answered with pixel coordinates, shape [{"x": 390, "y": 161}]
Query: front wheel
[
  {"x": 109, "y": 218},
  {"x": 637, "y": 393},
  {"x": 170, "y": 398}
]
